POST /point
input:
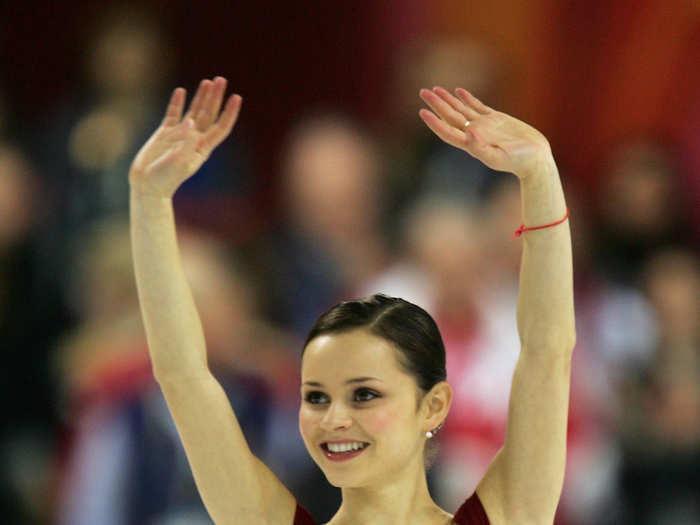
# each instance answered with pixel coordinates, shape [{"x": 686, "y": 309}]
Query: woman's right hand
[{"x": 179, "y": 146}]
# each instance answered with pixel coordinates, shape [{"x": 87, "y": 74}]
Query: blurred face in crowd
[
  {"x": 128, "y": 58},
  {"x": 443, "y": 239},
  {"x": 332, "y": 182},
  {"x": 226, "y": 305},
  {"x": 672, "y": 281},
  {"x": 638, "y": 190},
  {"x": 103, "y": 285},
  {"x": 456, "y": 62},
  {"x": 340, "y": 403}
]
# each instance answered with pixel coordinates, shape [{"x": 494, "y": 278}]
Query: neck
[{"x": 404, "y": 500}]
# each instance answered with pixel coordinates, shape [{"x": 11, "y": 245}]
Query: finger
[
  {"x": 456, "y": 104},
  {"x": 211, "y": 105},
  {"x": 471, "y": 101},
  {"x": 174, "y": 112},
  {"x": 199, "y": 96},
  {"x": 443, "y": 109},
  {"x": 445, "y": 131},
  {"x": 219, "y": 131},
  {"x": 201, "y": 116}
]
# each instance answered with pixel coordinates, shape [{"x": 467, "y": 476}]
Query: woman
[{"x": 373, "y": 388}]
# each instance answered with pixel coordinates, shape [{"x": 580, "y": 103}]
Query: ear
[{"x": 436, "y": 405}]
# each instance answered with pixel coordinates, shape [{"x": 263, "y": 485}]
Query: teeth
[{"x": 344, "y": 447}]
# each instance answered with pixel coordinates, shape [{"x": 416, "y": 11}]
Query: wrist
[
  {"x": 140, "y": 192},
  {"x": 542, "y": 195},
  {"x": 542, "y": 167}
]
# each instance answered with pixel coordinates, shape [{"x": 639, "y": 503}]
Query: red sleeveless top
[{"x": 470, "y": 513}]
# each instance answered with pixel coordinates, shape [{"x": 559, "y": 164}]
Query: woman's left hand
[{"x": 500, "y": 141}]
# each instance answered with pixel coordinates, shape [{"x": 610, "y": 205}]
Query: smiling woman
[
  {"x": 374, "y": 387},
  {"x": 416, "y": 344}
]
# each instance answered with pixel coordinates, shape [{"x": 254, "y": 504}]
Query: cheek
[
  {"x": 308, "y": 421},
  {"x": 385, "y": 420}
]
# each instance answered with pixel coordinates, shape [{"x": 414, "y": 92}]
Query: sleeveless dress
[{"x": 470, "y": 513}]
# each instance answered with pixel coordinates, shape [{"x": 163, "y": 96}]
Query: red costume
[{"x": 470, "y": 513}]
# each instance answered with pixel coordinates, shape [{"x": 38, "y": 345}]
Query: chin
[
  {"x": 347, "y": 480},
  {"x": 343, "y": 476}
]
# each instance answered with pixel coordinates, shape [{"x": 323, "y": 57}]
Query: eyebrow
[{"x": 349, "y": 381}]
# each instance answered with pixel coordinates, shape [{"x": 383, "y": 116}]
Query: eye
[
  {"x": 365, "y": 394},
  {"x": 315, "y": 397},
  {"x": 361, "y": 395}
]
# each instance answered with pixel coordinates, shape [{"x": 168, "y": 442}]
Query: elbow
[
  {"x": 545, "y": 333},
  {"x": 551, "y": 342}
]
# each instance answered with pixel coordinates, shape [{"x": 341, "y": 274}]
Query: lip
[
  {"x": 344, "y": 456},
  {"x": 337, "y": 441}
]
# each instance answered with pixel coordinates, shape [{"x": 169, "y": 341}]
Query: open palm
[
  {"x": 500, "y": 141},
  {"x": 179, "y": 146}
]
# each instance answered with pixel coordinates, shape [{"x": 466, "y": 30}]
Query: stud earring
[{"x": 431, "y": 433}]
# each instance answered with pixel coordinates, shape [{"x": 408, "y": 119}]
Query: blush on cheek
[{"x": 380, "y": 422}]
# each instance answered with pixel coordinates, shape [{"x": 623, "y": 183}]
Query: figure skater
[{"x": 373, "y": 386}]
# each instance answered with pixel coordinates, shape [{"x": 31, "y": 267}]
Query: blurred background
[{"x": 329, "y": 188}]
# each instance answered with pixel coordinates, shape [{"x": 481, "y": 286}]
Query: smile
[{"x": 343, "y": 451}]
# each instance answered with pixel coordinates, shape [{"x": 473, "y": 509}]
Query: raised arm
[
  {"x": 523, "y": 483},
  {"x": 235, "y": 486}
]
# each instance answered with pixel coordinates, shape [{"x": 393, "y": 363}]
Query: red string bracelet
[{"x": 522, "y": 228}]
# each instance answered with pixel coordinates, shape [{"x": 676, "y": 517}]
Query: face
[
  {"x": 332, "y": 184},
  {"x": 354, "y": 391}
]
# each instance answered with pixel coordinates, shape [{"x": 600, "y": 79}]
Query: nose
[{"x": 337, "y": 417}]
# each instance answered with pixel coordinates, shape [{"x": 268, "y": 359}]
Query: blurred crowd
[{"x": 86, "y": 436}]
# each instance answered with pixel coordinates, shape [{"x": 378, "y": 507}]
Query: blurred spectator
[
  {"x": 659, "y": 420},
  {"x": 615, "y": 322},
  {"x": 641, "y": 209},
  {"x": 87, "y": 145},
  {"x": 124, "y": 462},
  {"x": 32, "y": 316},
  {"x": 331, "y": 239}
]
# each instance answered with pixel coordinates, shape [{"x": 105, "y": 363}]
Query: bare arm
[
  {"x": 173, "y": 328},
  {"x": 174, "y": 152},
  {"x": 523, "y": 483},
  {"x": 235, "y": 486}
]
